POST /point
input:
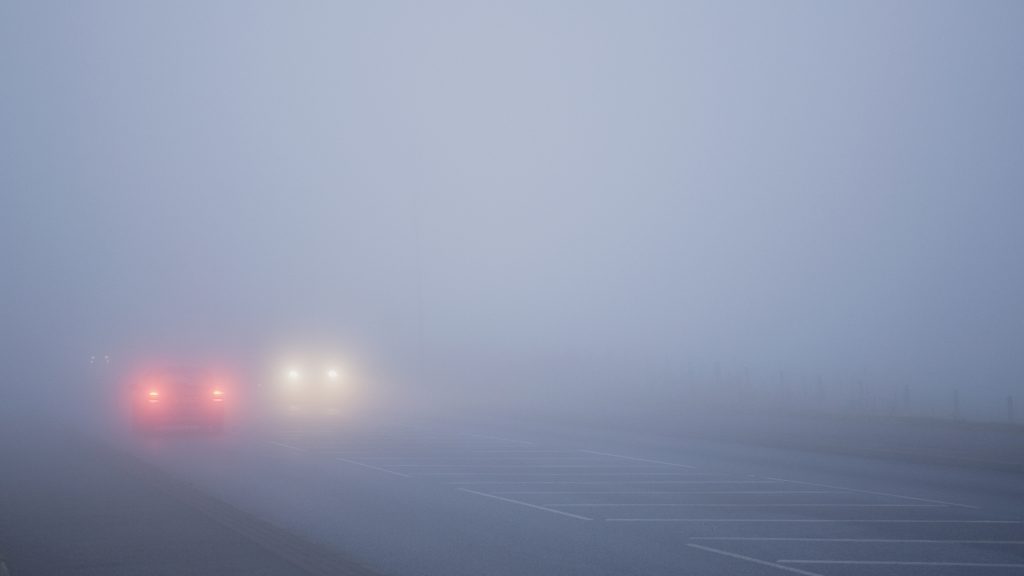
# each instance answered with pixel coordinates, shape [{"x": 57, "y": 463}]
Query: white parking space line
[
  {"x": 595, "y": 484},
  {"x": 528, "y": 466},
  {"x": 662, "y": 492},
  {"x": 887, "y": 494},
  {"x": 662, "y": 462},
  {"x": 904, "y": 563},
  {"x": 372, "y": 467},
  {"x": 497, "y": 458},
  {"x": 554, "y": 474},
  {"x": 415, "y": 446},
  {"x": 857, "y": 540},
  {"x": 753, "y": 560},
  {"x": 288, "y": 446},
  {"x": 527, "y": 504},
  {"x": 465, "y": 455},
  {"x": 734, "y": 505},
  {"x": 813, "y": 520},
  {"x": 616, "y": 482},
  {"x": 500, "y": 439}
]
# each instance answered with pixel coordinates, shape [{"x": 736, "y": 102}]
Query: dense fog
[{"x": 547, "y": 207}]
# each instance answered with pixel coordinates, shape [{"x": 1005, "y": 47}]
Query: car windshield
[{"x": 531, "y": 287}]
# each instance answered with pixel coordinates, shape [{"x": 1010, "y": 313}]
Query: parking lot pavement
[
  {"x": 752, "y": 522},
  {"x": 71, "y": 507}
]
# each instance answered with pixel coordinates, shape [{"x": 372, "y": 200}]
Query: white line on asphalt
[
  {"x": 459, "y": 447},
  {"x": 527, "y": 504},
  {"x": 555, "y": 474},
  {"x": 497, "y": 458},
  {"x": 734, "y": 505},
  {"x": 499, "y": 438},
  {"x": 813, "y": 520},
  {"x": 616, "y": 482},
  {"x": 662, "y": 462},
  {"x": 485, "y": 449},
  {"x": 753, "y": 560},
  {"x": 372, "y": 467},
  {"x": 431, "y": 453},
  {"x": 529, "y": 466},
  {"x": 859, "y": 540},
  {"x": 455, "y": 451},
  {"x": 662, "y": 492},
  {"x": 903, "y": 563},
  {"x": 288, "y": 446},
  {"x": 890, "y": 495}
]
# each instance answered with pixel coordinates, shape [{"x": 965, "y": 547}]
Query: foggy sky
[{"x": 524, "y": 189}]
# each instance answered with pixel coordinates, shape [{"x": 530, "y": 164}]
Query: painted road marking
[
  {"x": 890, "y": 495},
  {"x": 556, "y": 474},
  {"x": 662, "y": 462},
  {"x": 527, "y": 504},
  {"x": 752, "y": 560},
  {"x": 288, "y": 446},
  {"x": 372, "y": 467},
  {"x": 462, "y": 457},
  {"x": 500, "y": 439},
  {"x": 565, "y": 476},
  {"x": 614, "y": 482},
  {"x": 661, "y": 492},
  {"x": 814, "y": 520},
  {"x": 533, "y": 466},
  {"x": 859, "y": 540},
  {"x": 903, "y": 563},
  {"x": 772, "y": 505},
  {"x": 474, "y": 453}
]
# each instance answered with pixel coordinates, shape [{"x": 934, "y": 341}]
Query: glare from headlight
[
  {"x": 332, "y": 374},
  {"x": 294, "y": 374}
]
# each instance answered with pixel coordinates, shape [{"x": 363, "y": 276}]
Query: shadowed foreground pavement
[
  {"x": 71, "y": 506},
  {"x": 443, "y": 497}
]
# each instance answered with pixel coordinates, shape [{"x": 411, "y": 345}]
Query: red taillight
[
  {"x": 218, "y": 395},
  {"x": 153, "y": 396}
]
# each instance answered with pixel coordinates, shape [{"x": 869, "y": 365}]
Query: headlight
[
  {"x": 294, "y": 375},
  {"x": 332, "y": 374}
]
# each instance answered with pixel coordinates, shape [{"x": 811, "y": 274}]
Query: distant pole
[
  {"x": 956, "y": 404},
  {"x": 906, "y": 398},
  {"x": 1009, "y": 409}
]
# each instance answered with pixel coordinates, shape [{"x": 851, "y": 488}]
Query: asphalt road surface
[{"x": 433, "y": 498}]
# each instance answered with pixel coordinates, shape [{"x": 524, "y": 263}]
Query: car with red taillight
[{"x": 178, "y": 398}]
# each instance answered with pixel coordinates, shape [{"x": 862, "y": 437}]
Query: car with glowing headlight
[
  {"x": 310, "y": 389},
  {"x": 178, "y": 397}
]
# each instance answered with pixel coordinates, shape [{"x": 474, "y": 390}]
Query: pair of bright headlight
[{"x": 295, "y": 375}]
